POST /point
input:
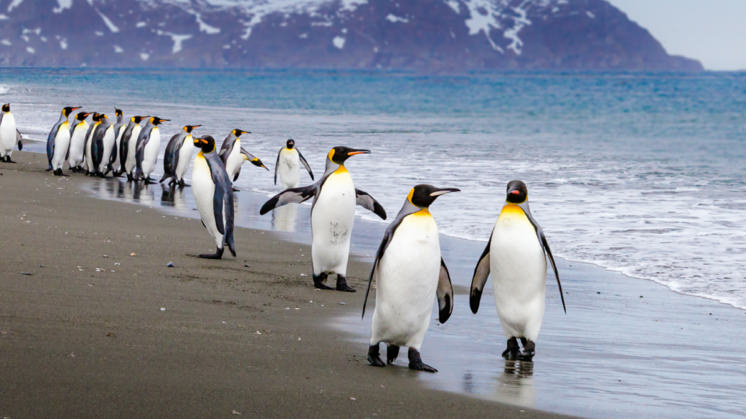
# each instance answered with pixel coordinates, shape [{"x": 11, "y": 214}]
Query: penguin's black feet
[
  {"x": 511, "y": 352},
  {"x": 58, "y": 172},
  {"x": 148, "y": 181},
  {"x": 529, "y": 350},
  {"x": 415, "y": 362},
  {"x": 342, "y": 284},
  {"x": 374, "y": 356},
  {"x": 318, "y": 282},
  {"x": 236, "y": 189},
  {"x": 392, "y": 351},
  {"x": 217, "y": 255}
]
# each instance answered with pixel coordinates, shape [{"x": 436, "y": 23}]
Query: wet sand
[{"x": 93, "y": 323}]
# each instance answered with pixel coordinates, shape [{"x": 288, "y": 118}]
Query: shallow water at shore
[{"x": 625, "y": 347}]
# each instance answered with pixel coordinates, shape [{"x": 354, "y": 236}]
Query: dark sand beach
[{"x": 94, "y": 324}]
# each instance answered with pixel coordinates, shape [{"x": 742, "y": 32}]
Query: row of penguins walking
[{"x": 408, "y": 268}]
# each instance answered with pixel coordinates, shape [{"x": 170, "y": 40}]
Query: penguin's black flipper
[
  {"x": 253, "y": 159},
  {"x": 50, "y": 144},
  {"x": 548, "y": 251},
  {"x": 444, "y": 293},
  {"x": 368, "y": 202},
  {"x": 20, "y": 142},
  {"x": 225, "y": 148},
  {"x": 288, "y": 196},
  {"x": 481, "y": 272},
  {"x": 304, "y": 163}
]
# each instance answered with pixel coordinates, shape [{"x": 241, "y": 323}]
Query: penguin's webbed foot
[
  {"x": 511, "y": 352},
  {"x": 374, "y": 356},
  {"x": 529, "y": 350},
  {"x": 415, "y": 362},
  {"x": 318, "y": 282},
  {"x": 58, "y": 172},
  {"x": 392, "y": 352},
  {"x": 342, "y": 284},
  {"x": 217, "y": 255}
]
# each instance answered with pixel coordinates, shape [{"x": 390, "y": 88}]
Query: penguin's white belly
[
  {"x": 289, "y": 169},
  {"x": 108, "y": 142},
  {"x": 131, "y": 162},
  {"x": 406, "y": 283},
  {"x": 331, "y": 224},
  {"x": 77, "y": 141},
  {"x": 203, "y": 189},
  {"x": 234, "y": 161},
  {"x": 185, "y": 155},
  {"x": 150, "y": 154},
  {"x": 518, "y": 268},
  {"x": 61, "y": 146},
  {"x": 8, "y": 133}
]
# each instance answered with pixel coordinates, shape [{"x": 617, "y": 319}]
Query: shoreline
[{"x": 93, "y": 323}]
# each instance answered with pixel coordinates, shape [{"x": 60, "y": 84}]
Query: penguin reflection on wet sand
[
  {"x": 516, "y": 256},
  {"x": 177, "y": 156},
  {"x": 332, "y": 215},
  {"x": 410, "y": 275},
  {"x": 289, "y": 158},
  {"x": 212, "y": 189}
]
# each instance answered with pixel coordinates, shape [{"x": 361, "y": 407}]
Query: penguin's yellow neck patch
[
  {"x": 341, "y": 169},
  {"x": 422, "y": 213},
  {"x": 201, "y": 155},
  {"x": 512, "y": 211}
]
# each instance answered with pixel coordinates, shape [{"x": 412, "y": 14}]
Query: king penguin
[
  {"x": 128, "y": 146},
  {"x": 332, "y": 215},
  {"x": 212, "y": 189},
  {"x": 287, "y": 165},
  {"x": 102, "y": 146},
  {"x": 516, "y": 255},
  {"x": 233, "y": 154},
  {"x": 58, "y": 141},
  {"x": 148, "y": 146},
  {"x": 9, "y": 134},
  {"x": 410, "y": 275},
  {"x": 119, "y": 128},
  {"x": 178, "y": 153},
  {"x": 77, "y": 142},
  {"x": 90, "y": 167}
]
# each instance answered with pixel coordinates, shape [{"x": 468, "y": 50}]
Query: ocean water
[{"x": 643, "y": 174}]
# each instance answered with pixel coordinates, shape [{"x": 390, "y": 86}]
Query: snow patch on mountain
[{"x": 62, "y": 5}]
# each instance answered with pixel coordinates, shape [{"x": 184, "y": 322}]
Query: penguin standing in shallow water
[
  {"x": 516, "y": 256},
  {"x": 287, "y": 165},
  {"x": 212, "y": 189},
  {"x": 58, "y": 141},
  {"x": 178, "y": 153},
  {"x": 148, "y": 146},
  {"x": 119, "y": 127},
  {"x": 9, "y": 134},
  {"x": 77, "y": 142},
  {"x": 233, "y": 154},
  {"x": 102, "y": 146},
  {"x": 410, "y": 274},
  {"x": 128, "y": 146},
  {"x": 90, "y": 167},
  {"x": 332, "y": 215}
]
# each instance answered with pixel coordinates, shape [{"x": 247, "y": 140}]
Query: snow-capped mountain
[{"x": 424, "y": 35}]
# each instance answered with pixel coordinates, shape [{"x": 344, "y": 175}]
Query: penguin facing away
[
  {"x": 287, "y": 165},
  {"x": 148, "y": 146},
  {"x": 102, "y": 146},
  {"x": 212, "y": 189},
  {"x": 233, "y": 154},
  {"x": 176, "y": 158},
  {"x": 58, "y": 141},
  {"x": 332, "y": 215},
  {"x": 77, "y": 142},
  {"x": 89, "y": 164},
  {"x": 516, "y": 256},
  {"x": 410, "y": 275},
  {"x": 119, "y": 127},
  {"x": 128, "y": 146}
]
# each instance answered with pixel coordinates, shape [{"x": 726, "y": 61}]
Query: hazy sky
[{"x": 712, "y": 31}]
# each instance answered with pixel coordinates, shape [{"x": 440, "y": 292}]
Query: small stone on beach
[{"x": 170, "y": 265}]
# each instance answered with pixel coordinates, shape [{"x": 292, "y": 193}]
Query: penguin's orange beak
[{"x": 515, "y": 192}]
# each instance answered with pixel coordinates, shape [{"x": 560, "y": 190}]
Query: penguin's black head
[
  {"x": 290, "y": 143},
  {"x": 118, "y": 112},
  {"x": 81, "y": 116},
  {"x": 137, "y": 119},
  {"x": 96, "y": 116},
  {"x": 239, "y": 132},
  {"x": 156, "y": 120},
  {"x": 102, "y": 117},
  {"x": 6, "y": 107},
  {"x": 205, "y": 143},
  {"x": 66, "y": 111},
  {"x": 424, "y": 195},
  {"x": 340, "y": 153},
  {"x": 188, "y": 128},
  {"x": 517, "y": 192}
]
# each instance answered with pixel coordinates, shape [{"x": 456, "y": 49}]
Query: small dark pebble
[
  {"x": 26, "y": 273},
  {"x": 710, "y": 314},
  {"x": 170, "y": 264},
  {"x": 111, "y": 334},
  {"x": 245, "y": 266},
  {"x": 598, "y": 292},
  {"x": 641, "y": 296}
]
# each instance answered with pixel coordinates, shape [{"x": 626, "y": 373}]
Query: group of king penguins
[{"x": 408, "y": 268}]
